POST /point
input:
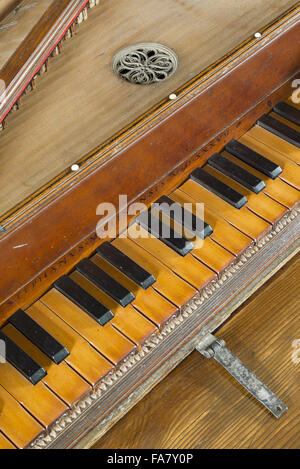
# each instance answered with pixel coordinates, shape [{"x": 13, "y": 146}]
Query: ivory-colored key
[
  {"x": 189, "y": 268},
  {"x": 129, "y": 321},
  {"x": 166, "y": 283},
  {"x": 106, "y": 339},
  {"x": 224, "y": 234},
  {"x": 260, "y": 204},
  {"x": 149, "y": 302},
  {"x": 61, "y": 379},
  {"x": 37, "y": 399},
  {"x": 83, "y": 357},
  {"x": 207, "y": 251},
  {"x": 5, "y": 443},
  {"x": 243, "y": 219},
  {"x": 287, "y": 149},
  {"x": 214, "y": 256},
  {"x": 277, "y": 188},
  {"x": 291, "y": 171},
  {"x": 15, "y": 422}
]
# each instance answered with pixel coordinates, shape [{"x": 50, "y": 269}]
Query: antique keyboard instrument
[{"x": 90, "y": 324}]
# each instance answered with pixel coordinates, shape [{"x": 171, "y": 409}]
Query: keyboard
[{"x": 63, "y": 347}]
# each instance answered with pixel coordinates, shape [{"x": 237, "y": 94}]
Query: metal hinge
[{"x": 212, "y": 347}]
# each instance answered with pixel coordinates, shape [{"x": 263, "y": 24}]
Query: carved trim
[
  {"x": 145, "y": 63},
  {"x": 173, "y": 323}
]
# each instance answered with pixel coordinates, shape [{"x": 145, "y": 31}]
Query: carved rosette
[{"x": 146, "y": 63}]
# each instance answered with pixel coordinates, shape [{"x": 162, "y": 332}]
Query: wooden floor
[{"x": 200, "y": 406}]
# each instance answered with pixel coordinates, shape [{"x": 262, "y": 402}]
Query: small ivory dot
[
  {"x": 172, "y": 96},
  {"x": 257, "y": 35},
  {"x": 74, "y": 167}
]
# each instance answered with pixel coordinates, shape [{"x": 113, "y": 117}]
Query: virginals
[{"x": 104, "y": 104}]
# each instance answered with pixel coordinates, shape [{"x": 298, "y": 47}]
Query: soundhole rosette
[{"x": 145, "y": 63}]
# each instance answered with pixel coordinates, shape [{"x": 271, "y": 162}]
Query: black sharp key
[
  {"x": 186, "y": 218},
  {"x": 253, "y": 159},
  {"x": 83, "y": 299},
  {"x": 222, "y": 190},
  {"x": 14, "y": 355},
  {"x": 288, "y": 112},
  {"x": 104, "y": 281},
  {"x": 281, "y": 130},
  {"x": 38, "y": 336},
  {"x": 234, "y": 171},
  {"x": 126, "y": 265},
  {"x": 165, "y": 233}
]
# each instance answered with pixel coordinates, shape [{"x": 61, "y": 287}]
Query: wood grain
[
  {"x": 17, "y": 424},
  {"x": 210, "y": 117},
  {"x": 17, "y": 25},
  {"x": 106, "y": 339},
  {"x": 199, "y": 406},
  {"x": 81, "y": 103},
  {"x": 61, "y": 379},
  {"x": 83, "y": 358},
  {"x": 7, "y": 6}
]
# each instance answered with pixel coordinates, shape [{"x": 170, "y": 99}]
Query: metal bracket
[{"x": 212, "y": 347}]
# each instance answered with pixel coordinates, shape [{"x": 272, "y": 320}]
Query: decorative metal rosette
[{"x": 145, "y": 63}]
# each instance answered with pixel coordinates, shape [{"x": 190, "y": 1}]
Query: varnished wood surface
[
  {"x": 210, "y": 118},
  {"x": 80, "y": 103},
  {"x": 6, "y": 6},
  {"x": 15, "y": 26},
  {"x": 200, "y": 406}
]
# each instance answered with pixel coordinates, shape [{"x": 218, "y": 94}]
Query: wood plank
[
  {"x": 262, "y": 205},
  {"x": 61, "y": 379},
  {"x": 277, "y": 188},
  {"x": 242, "y": 219},
  {"x": 127, "y": 320},
  {"x": 106, "y": 339},
  {"x": 214, "y": 412},
  {"x": 83, "y": 358},
  {"x": 19, "y": 426}
]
